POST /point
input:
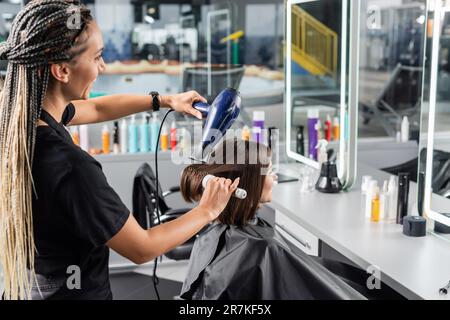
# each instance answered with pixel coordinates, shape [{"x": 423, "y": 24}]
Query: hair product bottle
[
  {"x": 154, "y": 130},
  {"x": 258, "y": 122},
  {"x": 313, "y": 118},
  {"x": 105, "y": 139},
  {"x": 173, "y": 135},
  {"x": 403, "y": 194},
  {"x": 123, "y": 136},
  {"x": 133, "y": 135},
  {"x": 375, "y": 214},
  {"x": 144, "y": 132},
  {"x": 328, "y": 128},
  {"x": 116, "y": 133},
  {"x": 301, "y": 140},
  {"x": 246, "y": 133},
  {"x": 164, "y": 138},
  {"x": 84, "y": 137},
  {"x": 76, "y": 135},
  {"x": 336, "y": 129}
]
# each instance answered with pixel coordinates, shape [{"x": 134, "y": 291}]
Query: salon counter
[{"x": 414, "y": 267}]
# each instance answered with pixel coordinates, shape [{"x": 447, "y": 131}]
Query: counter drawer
[{"x": 297, "y": 235}]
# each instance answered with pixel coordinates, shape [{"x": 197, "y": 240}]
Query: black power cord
[{"x": 155, "y": 264}]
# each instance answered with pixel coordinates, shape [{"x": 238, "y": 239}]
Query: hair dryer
[
  {"x": 220, "y": 116},
  {"x": 238, "y": 193}
]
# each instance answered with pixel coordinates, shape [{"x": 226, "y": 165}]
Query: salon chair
[
  {"x": 144, "y": 208},
  {"x": 440, "y": 182}
]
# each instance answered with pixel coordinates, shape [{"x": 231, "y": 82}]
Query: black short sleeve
[
  {"x": 68, "y": 114},
  {"x": 92, "y": 208}
]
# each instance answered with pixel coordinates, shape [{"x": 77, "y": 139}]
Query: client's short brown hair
[{"x": 244, "y": 159}]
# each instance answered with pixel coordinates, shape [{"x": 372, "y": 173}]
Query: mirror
[
  {"x": 392, "y": 49},
  {"x": 435, "y": 131},
  {"x": 321, "y": 91}
]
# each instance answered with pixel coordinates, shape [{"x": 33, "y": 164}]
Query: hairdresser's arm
[
  {"x": 141, "y": 245},
  {"x": 113, "y": 107}
]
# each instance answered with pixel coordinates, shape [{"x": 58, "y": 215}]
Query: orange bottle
[
  {"x": 336, "y": 129},
  {"x": 76, "y": 136},
  {"x": 105, "y": 140},
  {"x": 164, "y": 139}
]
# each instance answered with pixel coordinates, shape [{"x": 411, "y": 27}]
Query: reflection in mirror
[
  {"x": 317, "y": 85},
  {"x": 390, "y": 88},
  {"x": 435, "y": 131}
]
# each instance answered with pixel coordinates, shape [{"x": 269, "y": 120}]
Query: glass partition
[{"x": 321, "y": 81}]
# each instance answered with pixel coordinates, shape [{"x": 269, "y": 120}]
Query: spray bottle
[{"x": 322, "y": 155}]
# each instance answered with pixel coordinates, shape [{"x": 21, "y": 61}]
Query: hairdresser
[{"x": 59, "y": 216}]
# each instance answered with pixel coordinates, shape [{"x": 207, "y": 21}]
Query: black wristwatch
[{"x": 155, "y": 100}]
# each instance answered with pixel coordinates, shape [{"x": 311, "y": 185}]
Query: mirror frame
[
  {"x": 439, "y": 10},
  {"x": 348, "y": 129}
]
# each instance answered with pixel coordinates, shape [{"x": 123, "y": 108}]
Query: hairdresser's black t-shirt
[{"x": 75, "y": 214}]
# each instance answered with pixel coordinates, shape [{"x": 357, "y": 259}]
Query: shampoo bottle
[
  {"x": 313, "y": 118},
  {"x": 75, "y": 136},
  {"x": 336, "y": 129},
  {"x": 164, "y": 138},
  {"x": 144, "y": 134},
  {"x": 375, "y": 215},
  {"x": 173, "y": 135},
  {"x": 154, "y": 130},
  {"x": 328, "y": 128},
  {"x": 133, "y": 135},
  {"x": 392, "y": 199},
  {"x": 84, "y": 137},
  {"x": 123, "y": 136}
]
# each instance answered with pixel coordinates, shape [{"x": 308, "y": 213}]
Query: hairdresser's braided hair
[{"x": 45, "y": 32}]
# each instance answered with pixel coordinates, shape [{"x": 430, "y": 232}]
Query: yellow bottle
[
  {"x": 76, "y": 136},
  {"x": 375, "y": 217},
  {"x": 245, "y": 134},
  {"x": 105, "y": 140},
  {"x": 164, "y": 139}
]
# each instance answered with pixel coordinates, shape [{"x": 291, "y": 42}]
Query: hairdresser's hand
[
  {"x": 216, "y": 195},
  {"x": 183, "y": 102}
]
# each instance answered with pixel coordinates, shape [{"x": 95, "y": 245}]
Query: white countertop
[{"x": 415, "y": 267}]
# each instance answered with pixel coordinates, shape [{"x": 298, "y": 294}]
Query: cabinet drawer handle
[{"x": 302, "y": 242}]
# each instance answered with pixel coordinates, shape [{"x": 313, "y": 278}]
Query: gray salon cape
[{"x": 255, "y": 262}]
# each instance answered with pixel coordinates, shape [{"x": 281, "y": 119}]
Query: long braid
[{"x": 39, "y": 37}]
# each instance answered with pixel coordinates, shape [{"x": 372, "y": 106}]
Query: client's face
[{"x": 268, "y": 185}]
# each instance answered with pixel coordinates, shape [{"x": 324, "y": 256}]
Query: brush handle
[{"x": 239, "y": 193}]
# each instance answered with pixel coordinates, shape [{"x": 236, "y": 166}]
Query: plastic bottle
[
  {"x": 154, "y": 130},
  {"x": 116, "y": 132},
  {"x": 246, "y": 133},
  {"x": 369, "y": 197},
  {"x": 144, "y": 132},
  {"x": 76, "y": 135},
  {"x": 301, "y": 140},
  {"x": 405, "y": 129},
  {"x": 164, "y": 138},
  {"x": 313, "y": 118},
  {"x": 319, "y": 130},
  {"x": 173, "y": 135},
  {"x": 84, "y": 137},
  {"x": 133, "y": 135},
  {"x": 375, "y": 214},
  {"x": 384, "y": 202},
  {"x": 322, "y": 155},
  {"x": 336, "y": 129},
  {"x": 105, "y": 140},
  {"x": 258, "y": 122},
  {"x": 123, "y": 136},
  {"x": 328, "y": 128},
  {"x": 392, "y": 199}
]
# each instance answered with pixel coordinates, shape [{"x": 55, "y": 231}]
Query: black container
[
  {"x": 403, "y": 194},
  {"x": 300, "y": 140},
  {"x": 328, "y": 181}
]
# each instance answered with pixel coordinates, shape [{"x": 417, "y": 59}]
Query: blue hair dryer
[{"x": 220, "y": 116}]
